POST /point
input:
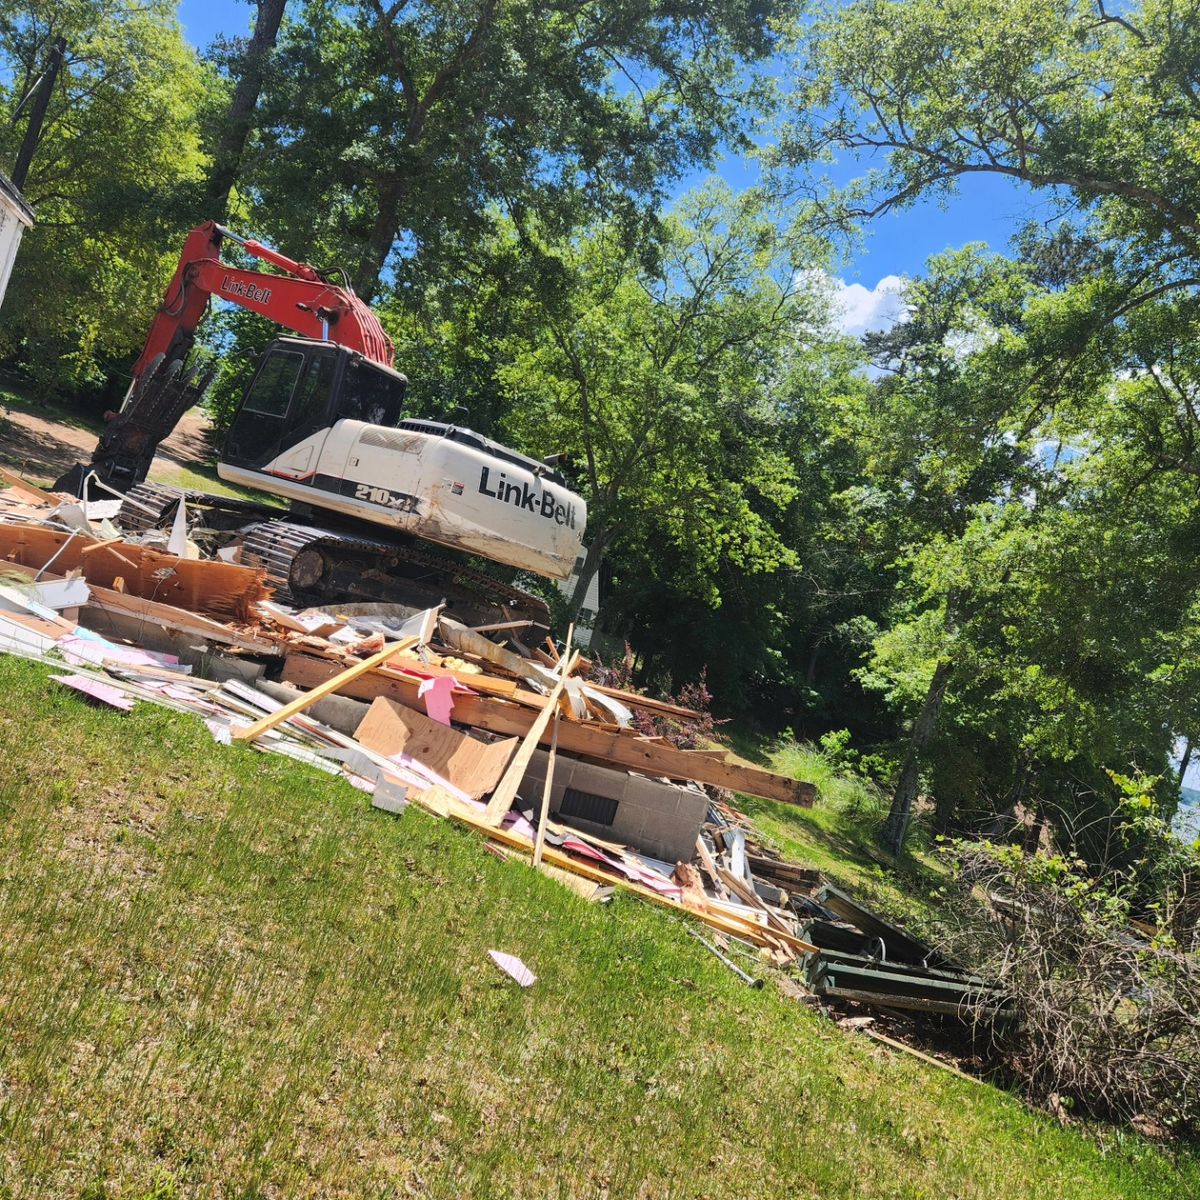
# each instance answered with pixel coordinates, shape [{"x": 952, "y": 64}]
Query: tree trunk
[
  {"x": 379, "y": 243},
  {"x": 1185, "y": 760},
  {"x": 227, "y": 158},
  {"x": 1004, "y": 821},
  {"x": 37, "y": 115},
  {"x": 905, "y": 795},
  {"x": 1033, "y": 834},
  {"x": 593, "y": 557}
]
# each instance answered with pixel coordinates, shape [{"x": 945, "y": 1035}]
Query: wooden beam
[
  {"x": 539, "y": 842},
  {"x": 27, "y": 490},
  {"x": 497, "y": 628},
  {"x": 575, "y": 737},
  {"x": 506, "y": 789},
  {"x": 250, "y": 732},
  {"x": 661, "y": 708}
]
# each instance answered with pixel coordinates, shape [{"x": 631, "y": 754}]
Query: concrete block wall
[{"x": 661, "y": 819}]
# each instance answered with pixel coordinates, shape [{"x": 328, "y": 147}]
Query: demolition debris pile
[{"x": 412, "y": 706}]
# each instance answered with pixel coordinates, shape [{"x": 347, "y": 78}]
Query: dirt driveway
[{"x": 42, "y": 445}]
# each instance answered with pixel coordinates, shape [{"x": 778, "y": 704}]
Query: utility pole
[{"x": 41, "y": 92}]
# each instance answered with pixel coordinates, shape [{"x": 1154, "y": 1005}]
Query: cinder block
[{"x": 659, "y": 818}]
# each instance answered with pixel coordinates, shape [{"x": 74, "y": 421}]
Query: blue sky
[{"x": 987, "y": 209}]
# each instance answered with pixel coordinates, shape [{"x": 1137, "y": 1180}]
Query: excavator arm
[{"x": 164, "y": 388}]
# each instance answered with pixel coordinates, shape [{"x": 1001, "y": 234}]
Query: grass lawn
[
  {"x": 225, "y": 975},
  {"x": 837, "y": 834}
]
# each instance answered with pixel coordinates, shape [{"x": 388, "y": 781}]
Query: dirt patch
[{"x": 41, "y": 447}]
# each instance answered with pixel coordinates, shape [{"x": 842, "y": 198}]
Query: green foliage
[
  {"x": 110, "y": 182},
  {"x": 658, "y": 380},
  {"x": 1055, "y": 93},
  {"x": 413, "y": 122}
]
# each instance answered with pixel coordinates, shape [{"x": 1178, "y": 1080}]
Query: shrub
[{"x": 1107, "y": 1010}]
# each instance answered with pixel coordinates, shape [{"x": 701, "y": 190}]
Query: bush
[
  {"x": 697, "y": 733},
  {"x": 1107, "y": 1010}
]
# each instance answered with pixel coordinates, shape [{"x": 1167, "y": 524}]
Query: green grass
[
  {"x": 223, "y": 975},
  {"x": 837, "y": 835},
  {"x": 205, "y": 479}
]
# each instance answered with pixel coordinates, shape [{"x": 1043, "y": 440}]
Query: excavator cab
[{"x": 302, "y": 387}]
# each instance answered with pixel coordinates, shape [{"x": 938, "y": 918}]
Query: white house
[{"x": 15, "y": 217}]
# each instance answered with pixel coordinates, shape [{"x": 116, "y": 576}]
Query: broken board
[{"x": 473, "y": 766}]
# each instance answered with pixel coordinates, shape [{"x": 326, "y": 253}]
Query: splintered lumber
[
  {"x": 250, "y": 732},
  {"x": 614, "y": 748},
  {"x": 747, "y": 894},
  {"x": 539, "y": 843},
  {"x": 466, "y": 641},
  {"x": 506, "y": 789},
  {"x": 105, "y": 600},
  {"x": 218, "y": 589},
  {"x": 444, "y": 805}
]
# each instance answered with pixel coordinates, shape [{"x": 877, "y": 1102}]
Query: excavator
[{"x": 322, "y": 426}]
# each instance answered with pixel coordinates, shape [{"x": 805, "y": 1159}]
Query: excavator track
[
  {"x": 308, "y": 565},
  {"x": 152, "y": 506}
]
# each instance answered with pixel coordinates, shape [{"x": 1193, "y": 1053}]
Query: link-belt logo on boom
[
  {"x": 523, "y": 496},
  {"x": 248, "y": 291}
]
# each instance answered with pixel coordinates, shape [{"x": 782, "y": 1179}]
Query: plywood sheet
[
  {"x": 216, "y": 589},
  {"x": 473, "y": 766}
]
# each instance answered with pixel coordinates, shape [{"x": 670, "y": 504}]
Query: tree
[
  {"x": 391, "y": 125},
  {"x": 656, "y": 379},
  {"x": 1095, "y": 107},
  {"x": 249, "y": 66},
  {"x": 110, "y": 183},
  {"x": 1059, "y": 94}
]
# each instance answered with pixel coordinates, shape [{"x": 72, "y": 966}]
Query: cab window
[
  {"x": 271, "y": 392},
  {"x": 371, "y": 395}
]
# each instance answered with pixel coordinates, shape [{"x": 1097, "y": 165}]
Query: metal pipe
[{"x": 748, "y": 979}]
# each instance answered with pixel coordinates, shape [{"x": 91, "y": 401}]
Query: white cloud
[{"x": 869, "y": 310}]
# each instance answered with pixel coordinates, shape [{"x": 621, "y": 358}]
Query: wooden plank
[
  {"x": 507, "y": 688},
  {"x": 510, "y": 781},
  {"x": 660, "y": 708},
  {"x": 26, "y": 491},
  {"x": 539, "y": 842},
  {"x": 502, "y": 625},
  {"x": 740, "y": 889},
  {"x": 706, "y": 860},
  {"x": 249, "y": 733},
  {"x": 446, "y": 806},
  {"x": 575, "y": 737},
  {"x": 925, "y": 1058}
]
